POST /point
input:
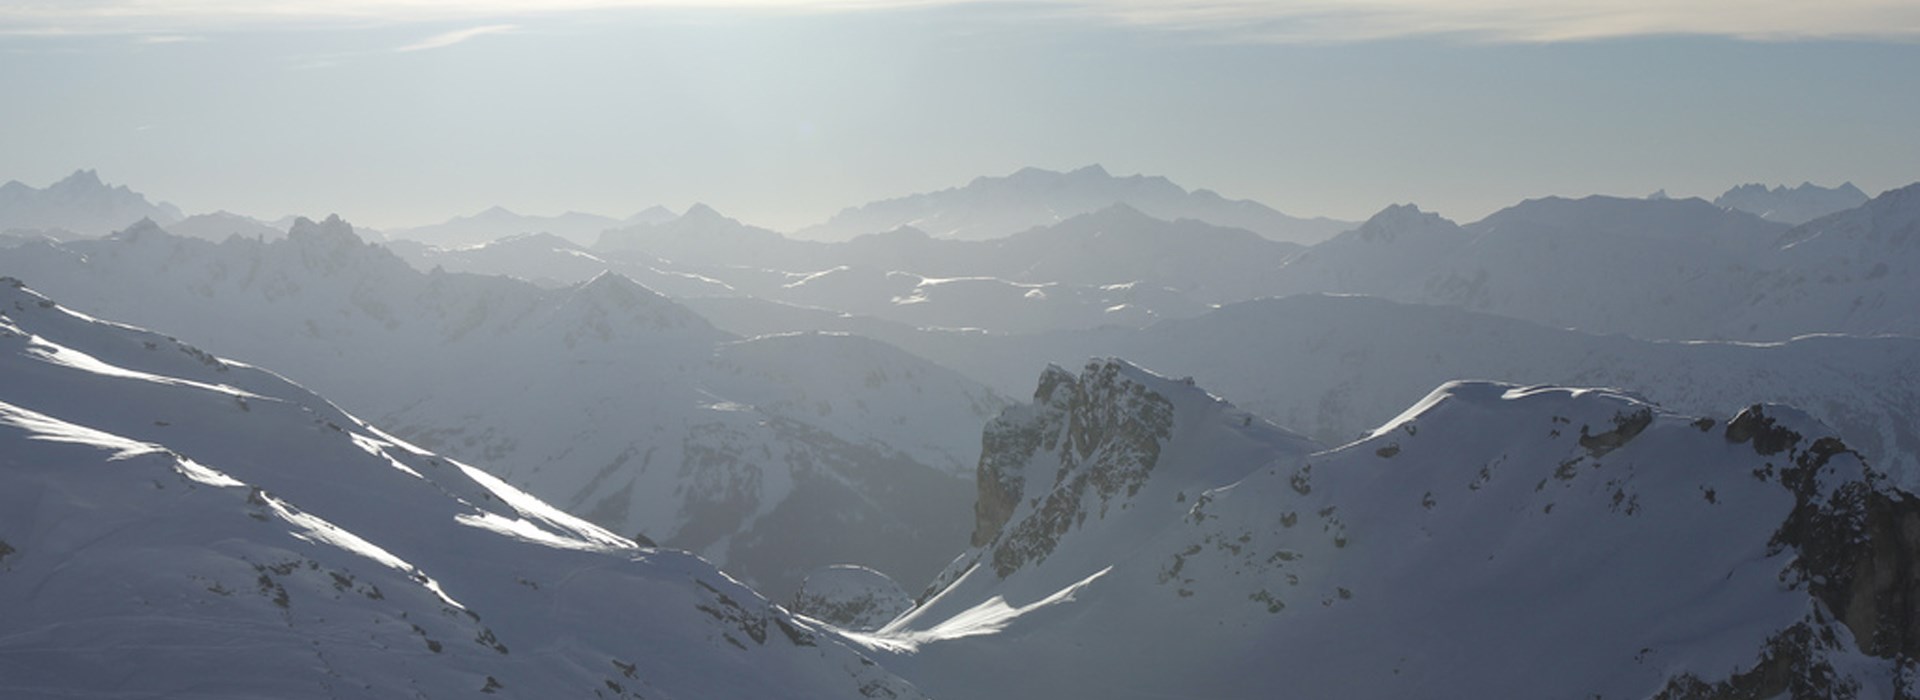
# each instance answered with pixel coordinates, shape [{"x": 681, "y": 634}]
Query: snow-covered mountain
[
  {"x": 1651, "y": 268},
  {"x": 993, "y": 207},
  {"x": 551, "y": 261},
  {"x": 498, "y": 222},
  {"x": 78, "y": 206},
  {"x": 173, "y": 524},
  {"x": 770, "y": 456},
  {"x": 219, "y": 225},
  {"x": 701, "y": 236},
  {"x": 1138, "y": 537},
  {"x": 1113, "y": 266},
  {"x": 1847, "y": 272},
  {"x": 1792, "y": 206},
  {"x": 1666, "y": 269},
  {"x": 1332, "y": 367}
]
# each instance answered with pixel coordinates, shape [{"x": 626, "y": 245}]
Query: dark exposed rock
[
  {"x": 1790, "y": 666},
  {"x": 1625, "y": 427},
  {"x": 1102, "y": 411},
  {"x": 1768, "y": 438}
]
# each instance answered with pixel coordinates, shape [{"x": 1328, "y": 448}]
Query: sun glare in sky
[{"x": 781, "y": 112}]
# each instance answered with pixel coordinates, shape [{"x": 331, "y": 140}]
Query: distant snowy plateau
[{"x": 1597, "y": 447}]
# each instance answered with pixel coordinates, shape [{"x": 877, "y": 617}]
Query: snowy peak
[
  {"x": 1403, "y": 220},
  {"x": 612, "y": 305},
  {"x": 1791, "y": 206},
  {"x": 142, "y": 228},
  {"x": 1752, "y": 557},
  {"x": 700, "y": 213}
]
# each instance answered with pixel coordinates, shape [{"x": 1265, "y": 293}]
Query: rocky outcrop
[
  {"x": 1857, "y": 540},
  {"x": 1104, "y": 430},
  {"x": 851, "y": 597}
]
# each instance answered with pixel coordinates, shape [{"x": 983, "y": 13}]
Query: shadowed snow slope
[
  {"x": 173, "y": 524},
  {"x": 1138, "y": 538},
  {"x": 1334, "y": 366},
  {"x": 604, "y": 397}
]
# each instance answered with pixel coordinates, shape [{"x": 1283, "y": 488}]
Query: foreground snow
[{"x": 173, "y": 524}]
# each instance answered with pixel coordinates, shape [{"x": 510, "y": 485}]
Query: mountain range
[
  {"x": 606, "y": 398},
  {"x": 1138, "y": 537},
  {"x": 79, "y": 205},
  {"x": 995, "y": 207},
  {"x": 1593, "y": 447}
]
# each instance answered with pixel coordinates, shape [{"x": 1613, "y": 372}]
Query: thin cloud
[
  {"x": 1525, "y": 21},
  {"x": 1232, "y": 20},
  {"x": 441, "y": 41}
]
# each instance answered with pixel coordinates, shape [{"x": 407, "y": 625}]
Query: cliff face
[{"x": 1104, "y": 431}]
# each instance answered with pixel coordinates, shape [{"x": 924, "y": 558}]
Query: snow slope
[
  {"x": 604, "y": 398},
  {"x": 1846, "y": 272},
  {"x": 174, "y": 524},
  {"x": 1139, "y": 538}
]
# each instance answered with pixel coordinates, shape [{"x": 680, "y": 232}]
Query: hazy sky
[{"x": 780, "y": 113}]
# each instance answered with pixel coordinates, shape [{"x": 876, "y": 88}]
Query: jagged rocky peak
[
  {"x": 851, "y": 597},
  {"x": 82, "y": 179},
  {"x": 1092, "y": 446},
  {"x": 332, "y": 230},
  {"x": 1110, "y": 407}
]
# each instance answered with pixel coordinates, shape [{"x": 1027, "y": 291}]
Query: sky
[{"x": 782, "y": 112}]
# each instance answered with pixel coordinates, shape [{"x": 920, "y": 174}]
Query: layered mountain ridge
[
  {"x": 77, "y": 206},
  {"x": 993, "y": 207},
  {"x": 605, "y": 398}
]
